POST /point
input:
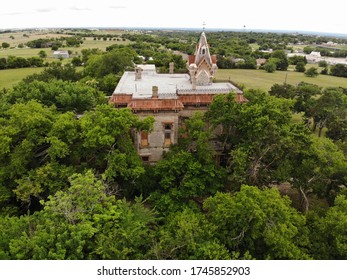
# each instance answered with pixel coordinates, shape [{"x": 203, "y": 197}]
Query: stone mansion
[{"x": 170, "y": 98}]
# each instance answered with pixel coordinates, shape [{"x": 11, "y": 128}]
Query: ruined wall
[{"x": 158, "y": 142}]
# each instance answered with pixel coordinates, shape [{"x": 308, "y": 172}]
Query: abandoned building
[{"x": 170, "y": 98}]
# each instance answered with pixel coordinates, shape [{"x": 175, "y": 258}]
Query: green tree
[
  {"x": 311, "y": 72},
  {"x": 107, "y": 145},
  {"x": 308, "y": 49},
  {"x": 270, "y": 66},
  {"x": 330, "y": 110},
  {"x": 318, "y": 167},
  {"x": 23, "y": 141},
  {"x": 81, "y": 222},
  {"x": 256, "y": 136},
  {"x": 189, "y": 170},
  {"x": 282, "y": 61},
  {"x": 65, "y": 95},
  {"x": 339, "y": 70},
  {"x": 57, "y": 71},
  {"x": 328, "y": 233},
  {"x": 300, "y": 67},
  {"x": 3, "y": 63},
  {"x": 258, "y": 222},
  {"x": 305, "y": 98},
  {"x": 322, "y": 63},
  {"x": 111, "y": 62},
  {"x": 285, "y": 91},
  {"x": 125, "y": 230},
  {"x": 42, "y": 54},
  {"x": 5, "y": 45},
  {"x": 188, "y": 235}
]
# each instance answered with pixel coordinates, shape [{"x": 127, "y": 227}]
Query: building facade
[{"x": 170, "y": 98}]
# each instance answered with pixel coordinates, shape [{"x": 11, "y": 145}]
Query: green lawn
[
  {"x": 25, "y": 52},
  {"x": 10, "y": 77},
  {"x": 260, "y": 79}
]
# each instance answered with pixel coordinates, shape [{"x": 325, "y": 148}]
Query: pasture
[
  {"x": 260, "y": 79},
  {"x": 17, "y": 38},
  {"x": 10, "y": 77}
]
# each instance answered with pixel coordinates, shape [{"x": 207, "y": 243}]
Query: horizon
[
  {"x": 294, "y": 16},
  {"x": 195, "y": 29}
]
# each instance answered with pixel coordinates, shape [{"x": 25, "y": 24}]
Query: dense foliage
[{"x": 72, "y": 185}]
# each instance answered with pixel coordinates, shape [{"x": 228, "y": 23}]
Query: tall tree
[
  {"x": 188, "y": 235},
  {"x": 82, "y": 222},
  {"x": 107, "y": 143},
  {"x": 328, "y": 233},
  {"x": 111, "y": 62},
  {"x": 256, "y": 136},
  {"x": 258, "y": 222},
  {"x": 319, "y": 167},
  {"x": 65, "y": 95}
]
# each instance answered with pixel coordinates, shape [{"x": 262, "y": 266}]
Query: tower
[{"x": 202, "y": 66}]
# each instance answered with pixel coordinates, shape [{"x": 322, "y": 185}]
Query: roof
[
  {"x": 196, "y": 99},
  {"x": 156, "y": 105},
  {"x": 168, "y": 84},
  {"x": 120, "y": 99},
  {"x": 60, "y": 52},
  {"x": 240, "y": 98},
  {"x": 191, "y": 59}
]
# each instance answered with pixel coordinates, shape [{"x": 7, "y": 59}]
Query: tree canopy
[{"x": 264, "y": 179}]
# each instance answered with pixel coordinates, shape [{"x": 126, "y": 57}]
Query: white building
[{"x": 61, "y": 54}]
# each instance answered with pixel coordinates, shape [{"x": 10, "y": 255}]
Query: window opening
[
  {"x": 167, "y": 133},
  {"x": 144, "y": 139}
]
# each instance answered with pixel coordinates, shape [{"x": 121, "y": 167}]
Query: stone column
[{"x": 171, "y": 67}]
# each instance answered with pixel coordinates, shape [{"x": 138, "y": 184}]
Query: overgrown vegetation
[{"x": 72, "y": 185}]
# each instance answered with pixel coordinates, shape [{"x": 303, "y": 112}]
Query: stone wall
[{"x": 157, "y": 144}]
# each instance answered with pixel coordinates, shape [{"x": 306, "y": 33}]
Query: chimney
[
  {"x": 193, "y": 83},
  {"x": 155, "y": 92},
  {"x": 138, "y": 73},
  {"x": 171, "y": 67}
]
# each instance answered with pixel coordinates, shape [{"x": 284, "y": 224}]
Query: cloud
[
  {"x": 117, "y": 7},
  {"x": 12, "y": 14},
  {"x": 46, "y": 10},
  {"x": 79, "y": 9}
]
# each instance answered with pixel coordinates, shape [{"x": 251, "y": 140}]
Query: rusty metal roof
[
  {"x": 120, "y": 99},
  {"x": 156, "y": 105},
  {"x": 240, "y": 98},
  {"x": 196, "y": 99}
]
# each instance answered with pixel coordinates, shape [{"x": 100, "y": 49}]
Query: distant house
[
  {"x": 316, "y": 54},
  {"x": 314, "y": 57},
  {"x": 61, "y": 54}
]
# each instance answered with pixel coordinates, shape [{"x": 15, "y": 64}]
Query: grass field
[
  {"x": 260, "y": 79},
  {"x": 247, "y": 78},
  {"x": 10, "y": 77},
  {"x": 88, "y": 43}
]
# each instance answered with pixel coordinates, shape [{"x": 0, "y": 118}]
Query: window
[
  {"x": 144, "y": 139},
  {"x": 145, "y": 158},
  {"x": 167, "y": 134}
]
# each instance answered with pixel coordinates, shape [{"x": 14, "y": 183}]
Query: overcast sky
[{"x": 297, "y": 15}]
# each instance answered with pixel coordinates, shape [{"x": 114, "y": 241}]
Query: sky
[{"x": 293, "y": 15}]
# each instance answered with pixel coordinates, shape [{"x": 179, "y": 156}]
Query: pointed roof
[{"x": 202, "y": 50}]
